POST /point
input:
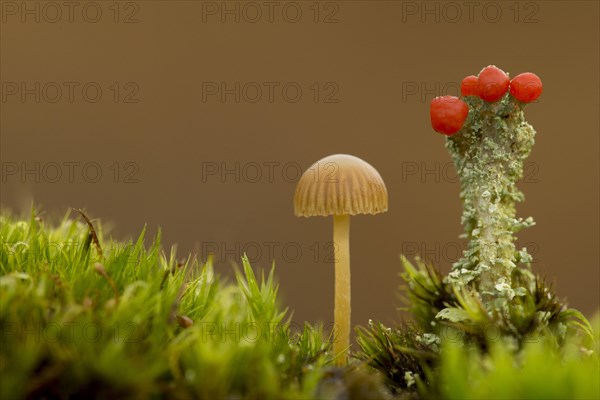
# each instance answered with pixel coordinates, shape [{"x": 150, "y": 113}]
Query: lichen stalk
[{"x": 489, "y": 155}]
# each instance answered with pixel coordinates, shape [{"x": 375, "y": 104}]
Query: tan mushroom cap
[{"x": 340, "y": 184}]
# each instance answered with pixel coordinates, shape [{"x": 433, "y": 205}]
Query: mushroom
[{"x": 340, "y": 185}]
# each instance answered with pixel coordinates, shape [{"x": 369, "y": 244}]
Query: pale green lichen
[
  {"x": 409, "y": 377},
  {"x": 489, "y": 154},
  {"x": 430, "y": 340}
]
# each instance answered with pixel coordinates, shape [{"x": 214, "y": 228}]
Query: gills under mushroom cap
[{"x": 340, "y": 184}]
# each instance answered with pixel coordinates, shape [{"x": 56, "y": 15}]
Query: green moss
[
  {"x": 135, "y": 322},
  {"x": 454, "y": 348},
  {"x": 540, "y": 371}
]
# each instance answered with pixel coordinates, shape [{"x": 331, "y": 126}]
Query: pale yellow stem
[{"x": 341, "y": 240}]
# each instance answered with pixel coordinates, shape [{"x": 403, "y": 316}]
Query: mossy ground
[
  {"x": 452, "y": 348},
  {"x": 91, "y": 318}
]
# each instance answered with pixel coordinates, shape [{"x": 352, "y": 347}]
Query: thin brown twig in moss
[{"x": 92, "y": 231}]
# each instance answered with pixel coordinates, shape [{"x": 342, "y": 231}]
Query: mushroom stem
[{"x": 341, "y": 240}]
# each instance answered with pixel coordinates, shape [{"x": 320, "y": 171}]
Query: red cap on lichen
[
  {"x": 493, "y": 83},
  {"x": 448, "y": 114},
  {"x": 470, "y": 86},
  {"x": 526, "y": 87}
]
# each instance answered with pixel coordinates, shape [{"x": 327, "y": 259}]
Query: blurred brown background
[{"x": 198, "y": 116}]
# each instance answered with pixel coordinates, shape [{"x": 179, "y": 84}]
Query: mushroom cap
[{"x": 340, "y": 184}]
